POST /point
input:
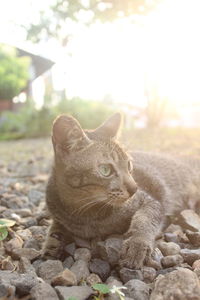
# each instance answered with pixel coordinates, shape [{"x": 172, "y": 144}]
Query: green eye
[{"x": 106, "y": 170}]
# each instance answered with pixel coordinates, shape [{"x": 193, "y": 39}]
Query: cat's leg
[
  {"x": 145, "y": 225},
  {"x": 57, "y": 238}
]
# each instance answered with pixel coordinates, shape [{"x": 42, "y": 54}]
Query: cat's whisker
[{"x": 105, "y": 205}]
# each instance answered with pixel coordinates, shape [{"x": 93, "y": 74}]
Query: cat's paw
[
  {"x": 135, "y": 253},
  {"x": 53, "y": 248}
]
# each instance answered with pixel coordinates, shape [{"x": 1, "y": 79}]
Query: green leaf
[
  {"x": 3, "y": 233},
  {"x": 6, "y": 223},
  {"x": 102, "y": 288},
  {"x": 72, "y": 298}
]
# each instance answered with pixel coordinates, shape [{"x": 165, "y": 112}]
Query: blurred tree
[
  {"x": 52, "y": 21},
  {"x": 13, "y": 73}
]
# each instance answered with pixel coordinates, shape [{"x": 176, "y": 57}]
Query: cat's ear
[
  {"x": 68, "y": 135},
  {"x": 110, "y": 128}
]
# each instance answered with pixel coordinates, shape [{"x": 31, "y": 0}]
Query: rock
[
  {"x": 78, "y": 292},
  {"x": 23, "y": 212},
  {"x": 29, "y": 253},
  {"x": 92, "y": 279},
  {"x": 32, "y": 243},
  {"x": 171, "y": 237},
  {"x": 7, "y": 264},
  {"x": 109, "y": 250},
  {"x": 24, "y": 283},
  {"x": 179, "y": 284},
  {"x": 173, "y": 228},
  {"x": 66, "y": 278},
  {"x": 13, "y": 244},
  {"x": 196, "y": 264},
  {"x": 28, "y": 221},
  {"x": 82, "y": 243},
  {"x": 80, "y": 269},
  {"x": 43, "y": 291},
  {"x": 188, "y": 219},
  {"x": 68, "y": 262},
  {"x": 7, "y": 291},
  {"x": 49, "y": 269},
  {"x": 100, "y": 267},
  {"x": 189, "y": 255},
  {"x": 171, "y": 260},
  {"x": 70, "y": 249},
  {"x": 157, "y": 255},
  {"x": 168, "y": 248},
  {"x": 83, "y": 254},
  {"x": 35, "y": 196},
  {"x": 148, "y": 274},
  {"x": 25, "y": 266},
  {"x": 111, "y": 282},
  {"x": 128, "y": 274},
  {"x": 137, "y": 290},
  {"x": 24, "y": 234},
  {"x": 194, "y": 237}
]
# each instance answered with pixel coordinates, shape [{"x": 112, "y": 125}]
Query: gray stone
[
  {"x": 35, "y": 196},
  {"x": 80, "y": 269},
  {"x": 194, "y": 237},
  {"x": 43, "y": 291},
  {"x": 188, "y": 219},
  {"x": 83, "y": 254},
  {"x": 7, "y": 291},
  {"x": 171, "y": 260},
  {"x": 189, "y": 255},
  {"x": 25, "y": 266},
  {"x": 29, "y": 253},
  {"x": 32, "y": 243},
  {"x": 179, "y": 284},
  {"x": 149, "y": 274},
  {"x": 48, "y": 269},
  {"x": 168, "y": 248},
  {"x": 24, "y": 283},
  {"x": 157, "y": 255},
  {"x": 100, "y": 267},
  {"x": 68, "y": 262},
  {"x": 128, "y": 274},
  {"x": 66, "y": 278},
  {"x": 171, "y": 237},
  {"x": 92, "y": 279},
  {"x": 13, "y": 244},
  {"x": 79, "y": 292},
  {"x": 109, "y": 250},
  {"x": 24, "y": 234},
  {"x": 70, "y": 249},
  {"x": 137, "y": 290}
]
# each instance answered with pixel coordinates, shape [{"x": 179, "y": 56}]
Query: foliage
[
  {"x": 13, "y": 73},
  {"x": 29, "y": 122},
  {"x": 4, "y": 224},
  {"x": 52, "y": 21}
]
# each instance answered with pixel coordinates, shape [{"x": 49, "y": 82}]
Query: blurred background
[{"x": 90, "y": 58}]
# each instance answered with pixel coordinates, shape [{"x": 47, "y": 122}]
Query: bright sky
[{"x": 160, "y": 52}]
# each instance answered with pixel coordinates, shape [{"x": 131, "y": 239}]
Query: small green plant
[
  {"x": 103, "y": 289},
  {"x": 4, "y": 225}
]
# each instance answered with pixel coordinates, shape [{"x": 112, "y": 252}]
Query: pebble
[
  {"x": 66, "y": 278},
  {"x": 190, "y": 255},
  {"x": 168, "y": 248},
  {"x": 171, "y": 260},
  {"x": 93, "y": 279},
  {"x": 42, "y": 291},
  {"x": 179, "y": 284},
  {"x": 83, "y": 254},
  {"x": 100, "y": 267},
  {"x": 194, "y": 237},
  {"x": 196, "y": 264},
  {"x": 188, "y": 219},
  {"x": 70, "y": 249},
  {"x": 80, "y": 269},
  {"x": 29, "y": 253},
  {"x": 109, "y": 250},
  {"x": 68, "y": 262},
  {"x": 137, "y": 290},
  {"x": 149, "y": 274},
  {"x": 128, "y": 274},
  {"x": 49, "y": 269},
  {"x": 78, "y": 292}
]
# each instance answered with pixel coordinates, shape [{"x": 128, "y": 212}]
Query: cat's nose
[
  {"x": 132, "y": 189},
  {"x": 131, "y": 186}
]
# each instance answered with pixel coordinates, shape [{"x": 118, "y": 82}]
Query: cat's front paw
[{"x": 135, "y": 253}]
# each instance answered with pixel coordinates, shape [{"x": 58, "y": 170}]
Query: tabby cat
[{"x": 97, "y": 189}]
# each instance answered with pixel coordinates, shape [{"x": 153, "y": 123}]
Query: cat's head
[{"x": 91, "y": 168}]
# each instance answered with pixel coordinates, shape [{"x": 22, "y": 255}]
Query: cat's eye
[
  {"x": 105, "y": 169},
  {"x": 130, "y": 165}
]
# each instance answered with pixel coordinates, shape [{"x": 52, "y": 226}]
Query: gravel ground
[{"x": 24, "y": 169}]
